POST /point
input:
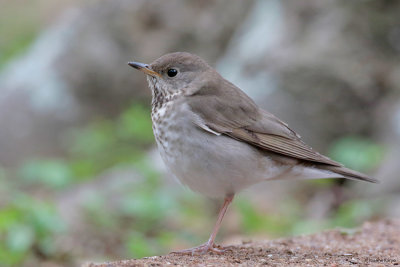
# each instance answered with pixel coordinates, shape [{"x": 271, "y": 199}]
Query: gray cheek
[{"x": 171, "y": 85}]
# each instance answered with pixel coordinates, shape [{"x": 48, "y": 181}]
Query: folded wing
[{"x": 237, "y": 116}]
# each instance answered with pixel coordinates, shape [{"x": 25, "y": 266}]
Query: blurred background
[{"x": 80, "y": 178}]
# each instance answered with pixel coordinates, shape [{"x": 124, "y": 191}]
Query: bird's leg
[
  {"x": 221, "y": 214},
  {"x": 210, "y": 245}
]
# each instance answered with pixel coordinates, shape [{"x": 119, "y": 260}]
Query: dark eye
[{"x": 172, "y": 72}]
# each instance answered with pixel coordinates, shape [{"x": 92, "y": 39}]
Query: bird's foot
[{"x": 202, "y": 249}]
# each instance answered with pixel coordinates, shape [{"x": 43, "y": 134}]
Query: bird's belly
[{"x": 213, "y": 165}]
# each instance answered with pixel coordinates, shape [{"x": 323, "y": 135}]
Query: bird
[{"x": 215, "y": 139}]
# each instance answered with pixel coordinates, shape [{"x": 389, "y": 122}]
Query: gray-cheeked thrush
[{"x": 217, "y": 141}]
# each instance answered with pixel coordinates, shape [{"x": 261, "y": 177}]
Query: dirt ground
[{"x": 374, "y": 244}]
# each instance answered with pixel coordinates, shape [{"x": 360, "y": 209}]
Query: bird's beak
[{"x": 143, "y": 67}]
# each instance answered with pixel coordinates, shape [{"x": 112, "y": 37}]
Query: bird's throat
[{"x": 158, "y": 95}]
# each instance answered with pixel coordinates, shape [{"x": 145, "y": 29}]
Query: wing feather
[
  {"x": 282, "y": 145},
  {"x": 225, "y": 109}
]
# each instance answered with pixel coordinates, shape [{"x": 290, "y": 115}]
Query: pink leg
[{"x": 210, "y": 245}]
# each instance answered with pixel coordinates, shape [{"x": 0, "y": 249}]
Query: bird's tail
[{"x": 350, "y": 174}]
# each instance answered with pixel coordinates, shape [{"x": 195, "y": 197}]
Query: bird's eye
[{"x": 172, "y": 72}]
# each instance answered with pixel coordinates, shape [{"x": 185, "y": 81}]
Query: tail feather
[{"x": 350, "y": 174}]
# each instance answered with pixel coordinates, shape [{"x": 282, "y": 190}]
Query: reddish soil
[{"x": 374, "y": 244}]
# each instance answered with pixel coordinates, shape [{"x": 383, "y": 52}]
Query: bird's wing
[{"x": 227, "y": 110}]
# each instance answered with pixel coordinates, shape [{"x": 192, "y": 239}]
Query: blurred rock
[
  {"x": 324, "y": 67},
  {"x": 390, "y": 168},
  {"x": 77, "y": 68}
]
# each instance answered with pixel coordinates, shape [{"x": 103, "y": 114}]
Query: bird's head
[{"x": 173, "y": 73}]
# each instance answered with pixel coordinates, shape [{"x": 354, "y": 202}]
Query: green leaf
[
  {"x": 308, "y": 226},
  {"x": 352, "y": 212},
  {"x": 53, "y": 173},
  {"x": 9, "y": 257},
  {"x": 135, "y": 124},
  {"x": 8, "y": 217},
  {"x": 138, "y": 245},
  {"x": 253, "y": 221},
  {"x": 20, "y": 237},
  {"x": 357, "y": 153}
]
